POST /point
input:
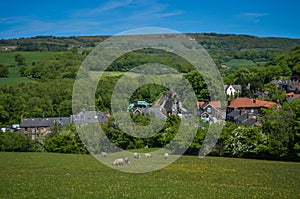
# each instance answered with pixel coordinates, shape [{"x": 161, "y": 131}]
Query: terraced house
[{"x": 37, "y": 127}]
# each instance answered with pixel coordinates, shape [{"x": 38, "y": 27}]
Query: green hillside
[
  {"x": 31, "y": 57},
  {"x": 222, "y": 47},
  {"x": 8, "y": 58},
  {"x": 46, "y": 175}
]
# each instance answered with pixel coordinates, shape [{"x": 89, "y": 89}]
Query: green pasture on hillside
[
  {"x": 236, "y": 63},
  {"x": 8, "y": 59},
  {"x": 48, "y": 175},
  {"x": 14, "y": 77}
]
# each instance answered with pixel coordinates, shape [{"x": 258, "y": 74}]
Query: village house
[
  {"x": 145, "y": 108},
  {"x": 170, "y": 103},
  {"x": 232, "y": 90},
  {"x": 209, "y": 111},
  {"x": 245, "y": 110},
  {"x": 36, "y": 127},
  {"x": 139, "y": 107},
  {"x": 288, "y": 85},
  {"x": 291, "y": 96}
]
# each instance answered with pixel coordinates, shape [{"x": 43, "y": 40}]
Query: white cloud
[
  {"x": 254, "y": 14},
  {"x": 111, "y": 5},
  {"x": 100, "y": 10},
  {"x": 169, "y": 14},
  {"x": 251, "y": 16}
]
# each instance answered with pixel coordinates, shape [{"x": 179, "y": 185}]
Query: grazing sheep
[
  {"x": 126, "y": 159},
  {"x": 121, "y": 161},
  {"x": 166, "y": 156},
  {"x": 137, "y": 155},
  {"x": 103, "y": 154},
  {"x": 148, "y": 155},
  {"x": 118, "y": 162}
]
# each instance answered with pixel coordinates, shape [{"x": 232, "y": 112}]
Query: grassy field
[
  {"x": 46, "y": 175},
  {"x": 236, "y": 63},
  {"x": 8, "y": 59},
  {"x": 14, "y": 77}
]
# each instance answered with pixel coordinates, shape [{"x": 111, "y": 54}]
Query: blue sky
[{"x": 66, "y": 18}]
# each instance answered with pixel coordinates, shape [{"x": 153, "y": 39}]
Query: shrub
[{"x": 15, "y": 142}]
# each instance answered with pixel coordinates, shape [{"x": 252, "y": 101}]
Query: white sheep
[
  {"x": 103, "y": 154},
  {"x": 126, "y": 159},
  {"x": 166, "y": 156},
  {"x": 148, "y": 155},
  {"x": 137, "y": 155},
  {"x": 118, "y": 162}
]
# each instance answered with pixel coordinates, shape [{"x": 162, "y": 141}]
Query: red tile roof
[
  {"x": 250, "y": 103},
  {"x": 216, "y": 104}
]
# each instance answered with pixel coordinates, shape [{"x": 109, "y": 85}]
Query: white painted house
[{"x": 232, "y": 90}]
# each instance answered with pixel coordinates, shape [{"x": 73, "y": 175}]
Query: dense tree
[
  {"x": 274, "y": 93},
  {"x": 199, "y": 85},
  {"x": 295, "y": 105},
  {"x": 279, "y": 132},
  {"x": 22, "y": 71},
  {"x": 66, "y": 141},
  {"x": 20, "y": 59},
  {"x": 15, "y": 142},
  {"x": 244, "y": 142},
  {"x": 3, "y": 71},
  {"x": 64, "y": 65}
]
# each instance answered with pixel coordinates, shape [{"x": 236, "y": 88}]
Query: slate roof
[
  {"x": 250, "y": 103},
  {"x": 250, "y": 122},
  {"x": 241, "y": 118},
  {"x": 90, "y": 117},
  {"x": 233, "y": 114},
  {"x": 44, "y": 122}
]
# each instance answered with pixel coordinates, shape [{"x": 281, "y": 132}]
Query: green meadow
[
  {"x": 49, "y": 175},
  {"x": 14, "y": 77},
  {"x": 236, "y": 63},
  {"x": 8, "y": 59}
]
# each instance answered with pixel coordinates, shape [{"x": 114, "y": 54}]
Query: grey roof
[
  {"x": 242, "y": 118},
  {"x": 90, "y": 117},
  {"x": 233, "y": 114},
  {"x": 44, "y": 122},
  {"x": 249, "y": 122},
  {"x": 239, "y": 118}
]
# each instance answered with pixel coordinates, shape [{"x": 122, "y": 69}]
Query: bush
[
  {"x": 3, "y": 71},
  {"x": 15, "y": 142},
  {"x": 65, "y": 142}
]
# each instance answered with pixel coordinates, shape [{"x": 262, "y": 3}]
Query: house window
[{"x": 209, "y": 110}]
